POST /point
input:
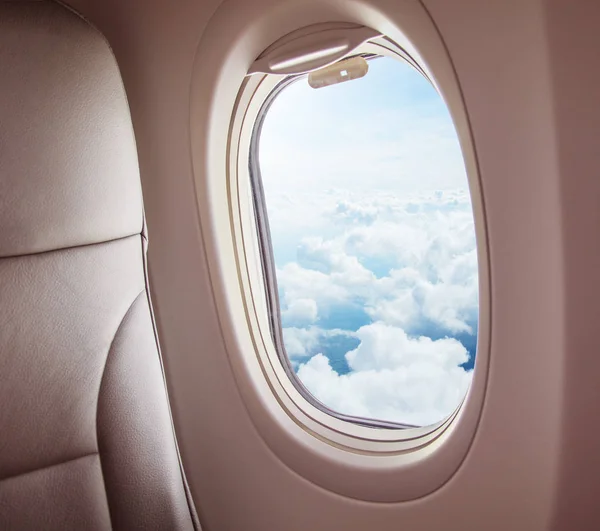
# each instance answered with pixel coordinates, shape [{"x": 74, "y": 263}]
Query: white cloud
[
  {"x": 421, "y": 387},
  {"x": 300, "y": 311},
  {"x": 394, "y": 377},
  {"x": 298, "y": 282},
  {"x": 406, "y": 297},
  {"x": 429, "y": 248},
  {"x": 389, "y": 347},
  {"x": 427, "y": 245},
  {"x": 301, "y": 342}
]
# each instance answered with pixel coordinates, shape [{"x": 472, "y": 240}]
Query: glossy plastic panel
[{"x": 310, "y": 48}]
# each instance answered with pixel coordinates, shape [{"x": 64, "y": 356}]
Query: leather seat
[{"x": 86, "y": 437}]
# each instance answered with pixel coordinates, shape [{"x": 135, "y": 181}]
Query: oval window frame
[
  {"x": 391, "y": 465},
  {"x": 263, "y": 89}
]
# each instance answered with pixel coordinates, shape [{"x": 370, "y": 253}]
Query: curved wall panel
[{"x": 531, "y": 97}]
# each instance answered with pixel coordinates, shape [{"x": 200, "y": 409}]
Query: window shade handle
[{"x": 311, "y": 50}]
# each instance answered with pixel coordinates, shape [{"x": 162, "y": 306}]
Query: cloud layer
[
  {"x": 374, "y": 244},
  {"x": 407, "y": 276}
]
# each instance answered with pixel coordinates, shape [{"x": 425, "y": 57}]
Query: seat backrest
[{"x": 86, "y": 437}]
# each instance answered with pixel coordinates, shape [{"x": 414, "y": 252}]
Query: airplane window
[{"x": 372, "y": 244}]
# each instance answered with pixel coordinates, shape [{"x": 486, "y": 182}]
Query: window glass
[{"x": 374, "y": 244}]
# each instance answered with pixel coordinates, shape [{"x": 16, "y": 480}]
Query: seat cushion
[{"x": 86, "y": 437}]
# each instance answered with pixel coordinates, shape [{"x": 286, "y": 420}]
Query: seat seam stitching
[
  {"x": 45, "y": 467},
  {"x": 110, "y": 349},
  {"x": 69, "y": 247}
]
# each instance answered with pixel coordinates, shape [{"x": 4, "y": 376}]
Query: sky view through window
[{"x": 374, "y": 244}]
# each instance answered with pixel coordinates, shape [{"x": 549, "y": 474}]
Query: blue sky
[{"x": 374, "y": 243}]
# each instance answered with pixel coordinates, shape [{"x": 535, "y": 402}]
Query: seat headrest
[{"x": 68, "y": 163}]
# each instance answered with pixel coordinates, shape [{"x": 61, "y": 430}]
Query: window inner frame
[
  {"x": 358, "y": 435},
  {"x": 267, "y": 257}
]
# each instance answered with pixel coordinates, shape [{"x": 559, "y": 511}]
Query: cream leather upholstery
[{"x": 86, "y": 439}]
